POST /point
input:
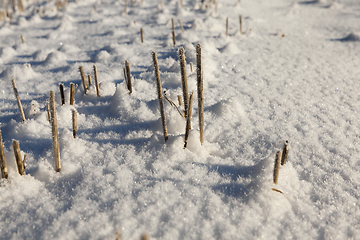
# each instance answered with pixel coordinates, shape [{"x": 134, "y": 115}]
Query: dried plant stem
[
  {"x": 61, "y": 86},
  {"x": 72, "y": 93},
  {"x": 181, "y": 26},
  {"x": 142, "y": 35},
  {"x": 22, "y": 39},
  {"x": 285, "y": 153},
  {"x": 160, "y": 96},
  {"x": 227, "y": 27},
  {"x": 125, "y": 7},
  {"x": 74, "y": 123},
  {"x": 184, "y": 80},
  {"x": 4, "y": 171},
  {"x": 181, "y": 3},
  {"x": 241, "y": 24},
  {"x": 145, "y": 236},
  {"x": 96, "y": 81},
  {"x": 118, "y": 236},
  {"x": 173, "y": 105},
  {"x": 89, "y": 79},
  {"x": 200, "y": 91},
  {"x": 19, "y": 160},
  {"x": 188, "y": 120},
  {"x": 191, "y": 67},
  {"x": 48, "y": 112},
  {"x": 173, "y": 31},
  {"x": 277, "y": 167},
  {"x": 55, "y": 135},
  {"x": 128, "y": 76},
  {"x": 83, "y": 79},
  {"x": 18, "y": 100},
  {"x": 180, "y": 100}
]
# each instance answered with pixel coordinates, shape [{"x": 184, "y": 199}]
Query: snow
[{"x": 292, "y": 75}]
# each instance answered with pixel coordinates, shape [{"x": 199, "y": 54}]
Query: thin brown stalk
[
  {"x": 188, "y": 120},
  {"x": 96, "y": 81},
  {"x": 18, "y": 99},
  {"x": 173, "y": 105},
  {"x": 55, "y": 135},
  {"x": 277, "y": 167},
  {"x": 227, "y": 27},
  {"x": 19, "y": 160},
  {"x": 160, "y": 96},
  {"x": 180, "y": 100},
  {"x": 200, "y": 91},
  {"x": 22, "y": 39},
  {"x": 181, "y": 26},
  {"x": 61, "y": 86},
  {"x": 142, "y": 35},
  {"x": 173, "y": 31},
  {"x": 118, "y": 236},
  {"x": 191, "y": 67},
  {"x": 184, "y": 80},
  {"x": 285, "y": 153},
  {"x": 4, "y": 171},
  {"x": 74, "y": 123},
  {"x": 48, "y": 112},
  {"x": 128, "y": 76},
  {"x": 83, "y": 79},
  {"x": 72, "y": 93},
  {"x": 241, "y": 24},
  {"x": 89, "y": 79},
  {"x": 145, "y": 236}
]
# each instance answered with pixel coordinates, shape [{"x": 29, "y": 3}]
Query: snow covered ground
[{"x": 292, "y": 75}]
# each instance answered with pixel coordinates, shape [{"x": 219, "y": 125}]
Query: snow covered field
[{"x": 292, "y": 75}]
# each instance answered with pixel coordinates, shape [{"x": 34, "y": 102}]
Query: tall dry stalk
[
  {"x": 241, "y": 24},
  {"x": 285, "y": 152},
  {"x": 188, "y": 120},
  {"x": 54, "y": 131},
  {"x": 128, "y": 76},
  {"x": 4, "y": 171},
  {"x": 200, "y": 91},
  {"x": 83, "y": 79},
  {"x": 184, "y": 80},
  {"x": 277, "y": 167},
  {"x": 18, "y": 99},
  {"x": 160, "y": 96},
  {"x": 96, "y": 81},
  {"x": 61, "y": 86},
  {"x": 173, "y": 31},
  {"x": 18, "y": 158},
  {"x": 142, "y": 34},
  {"x": 72, "y": 93},
  {"x": 90, "y": 80},
  {"x": 74, "y": 123},
  {"x": 22, "y": 39},
  {"x": 227, "y": 27},
  {"x": 181, "y": 26}
]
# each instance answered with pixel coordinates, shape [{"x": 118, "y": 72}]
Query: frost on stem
[
  {"x": 4, "y": 171},
  {"x": 18, "y": 99},
  {"x": 200, "y": 91},
  {"x": 184, "y": 80},
  {"x": 160, "y": 96},
  {"x": 277, "y": 167},
  {"x": 285, "y": 152},
  {"x": 19, "y": 161}
]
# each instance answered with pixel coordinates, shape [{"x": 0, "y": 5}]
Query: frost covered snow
[{"x": 292, "y": 75}]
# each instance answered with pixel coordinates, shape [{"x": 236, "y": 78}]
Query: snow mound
[
  {"x": 19, "y": 72},
  {"x": 55, "y": 58}
]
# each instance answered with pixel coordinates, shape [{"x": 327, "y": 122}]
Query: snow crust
[{"x": 293, "y": 74}]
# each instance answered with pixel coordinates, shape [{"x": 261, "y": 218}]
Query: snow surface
[{"x": 293, "y": 75}]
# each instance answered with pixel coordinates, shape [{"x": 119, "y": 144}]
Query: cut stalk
[
  {"x": 89, "y": 79},
  {"x": 241, "y": 24},
  {"x": 22, "y": 39},
  {"x": 18, "y": 99},
  {"x": 19, "y": 160},
  {"x": 180, "y": 100},
  {"x": 4, "y": 171},
  {"x": 72, "y": 93},
  {"x": 145, "y": 237},
  {"x": 191, "y": 67},
  {"x": 74, "y": 121},
  {"x": 142, "y": 35},
  {"x": 48, "y": 112},
  {"x": 173, "y": 31},
  {"x": 160, "y": 96},
  {"x": 83, "y": 79},
  {"x": 277, "y": 167},
  {"x": 188, "y": 120},
  {"x": 200, "y": 91},
  {"x": 181, "y": 26},
  {"x": 285, "y": 153},
  {"x": 55, "y": 135},
  {"x": 184, "y": 80},
  {"x": 61, "y": 86},
  {"x": 227, "y": 27},
  {"x": 128, "y": 76},
  {"x": 96, "y": 81}
]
